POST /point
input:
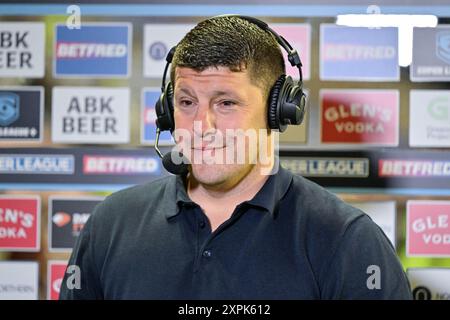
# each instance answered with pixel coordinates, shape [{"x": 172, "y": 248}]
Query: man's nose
[{"x": 204, "y": 119}]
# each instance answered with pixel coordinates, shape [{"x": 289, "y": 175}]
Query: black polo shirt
[{"x": 293, "y": 240}]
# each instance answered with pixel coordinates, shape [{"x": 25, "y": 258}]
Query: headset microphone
[{"x": 179, "y": 166}]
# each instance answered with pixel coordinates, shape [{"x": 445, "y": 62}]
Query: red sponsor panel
[
  {"x": 428, "y": 228},
  {"x": 19, "y": 223},
  {"x": 360, "y": 117},
  {"x": 55, "y": 275}
]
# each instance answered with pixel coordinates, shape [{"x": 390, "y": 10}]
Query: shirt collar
[{"x": 267, "y": 198}]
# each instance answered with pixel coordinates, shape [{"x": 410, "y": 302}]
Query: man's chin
[{"x": 214, "y": 174}]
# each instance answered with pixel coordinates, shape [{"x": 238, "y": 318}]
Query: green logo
[{"x": 439, "y": 108}]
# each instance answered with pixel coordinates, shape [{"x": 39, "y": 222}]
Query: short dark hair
[{"x": 231, "y": 42}]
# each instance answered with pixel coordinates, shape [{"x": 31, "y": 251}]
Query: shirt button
[{"x": 207, "y": 253}]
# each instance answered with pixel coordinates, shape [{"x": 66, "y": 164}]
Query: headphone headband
[{"x": 293, "y": 56}]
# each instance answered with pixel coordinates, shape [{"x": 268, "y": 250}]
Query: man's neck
[{"x": 219, "y": 201}]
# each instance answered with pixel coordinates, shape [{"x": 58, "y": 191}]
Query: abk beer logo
[
  {"x": 93, "y": 51},
  {"x": 429, "y": 283},
  {"x": 158, "y": 40},
  {"x": 21, "y": 113},
  {"x": 428, "y": 228},
  {"x": 148, "y": 117},
  {"x": 432, "y": 64},
  {"x": 67, "y": 217},
  {"x": 22, "y": 47},
  {"x": 55, "y": 274},
  {"x": 365, "y": 117},
  {"x": 90, "y": 115},
  {"x": 19, "y": 280},
  {"x": 20, "y": 223},
  {"x": 429, "y": 117}
]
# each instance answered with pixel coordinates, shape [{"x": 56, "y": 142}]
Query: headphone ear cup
[
  {"x": 273, "y": 117},
  {"x": 164, "y": 109}
]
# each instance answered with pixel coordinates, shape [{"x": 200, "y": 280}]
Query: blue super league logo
[
  {"x": 443, "y": 46},
  {"x": 9, "y": 108}
]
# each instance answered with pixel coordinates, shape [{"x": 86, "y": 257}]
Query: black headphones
[{"x": 286, "y": 103}]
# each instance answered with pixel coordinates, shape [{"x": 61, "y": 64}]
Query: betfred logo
[
  {"x": 148, "y": 126},
  {"x": 55, "y": 276},
  {"x": 365, "y": 117},
  {"x": 61, "y": 219},
  {"x": 19, "y": 223},
  {"x": 413, "y": 168},
  {"x": 95, "y": 50},
  {"x": 119, "y": 165},
  {"x": 67, "y": 217},
  {"x": 428, "y": 228}
]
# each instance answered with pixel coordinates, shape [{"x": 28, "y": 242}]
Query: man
[{"x": 228, "y": 230}]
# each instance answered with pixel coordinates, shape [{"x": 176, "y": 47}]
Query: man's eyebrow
[
  {"x": 187, "y": 91},
  {"x": 215, "y": 94}
]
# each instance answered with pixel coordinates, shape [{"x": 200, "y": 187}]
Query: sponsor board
[
  {"x": 297, "y": 134},
  {"x": 120, "y": 165},
  {"x": 429, "y": 283},
  {"x": 97, "y": 50},
  {"x": 432, "y": 64},
  {"x": 90, "y": 115},
  {"x": 19, "y": 280},
  {"x": 21, "y": 113},
  {"x": 363, "y": 117},
  {"x": 22, "y": 49},
  {"x": 37, "y": 164},
  {"x": 429, "y": 118},
  {"x": 383, "y": 213},
  {"x": 148, "y": 117},
  {"x": 299, "y": 37},
  {"x": 413, "y": 168},
  {"x": 328, "y": 167},
  {"x": 55, "y": 275},
  {"x": 20, "y": 222},
  {"x": 66, "y": 219},
  {"x": 358, "y": 53},
  {"x": 158, "y": 40},
  {"x": 428, "y": 228}
]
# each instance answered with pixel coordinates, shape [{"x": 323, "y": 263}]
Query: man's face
[{"x": 208, "y": 104}]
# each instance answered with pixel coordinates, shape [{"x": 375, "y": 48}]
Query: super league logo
[
  {"x": 443, "y": 46},
  {"x": 9, "y": 108}
]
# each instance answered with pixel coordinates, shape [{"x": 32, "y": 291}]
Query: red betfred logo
[{"x": 19, "y": 223}]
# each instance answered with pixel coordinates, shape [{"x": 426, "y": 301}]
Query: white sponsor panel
[
  {"x": 429, "y": 283},
  {"x": 19, "y": 280},
  {"x": 383, "y": 213},
  {"x": 158, "y": 40},
  {"x": 22, "y": 47},
  {"x": 429, "y": 118},
  {"x": 90, "y": 115},
  {"x": 328, "y": 167}
]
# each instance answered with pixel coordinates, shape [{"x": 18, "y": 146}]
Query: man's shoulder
[
  {"x": 321, "y": 208},
  {"x": 136, "y": 200}
]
